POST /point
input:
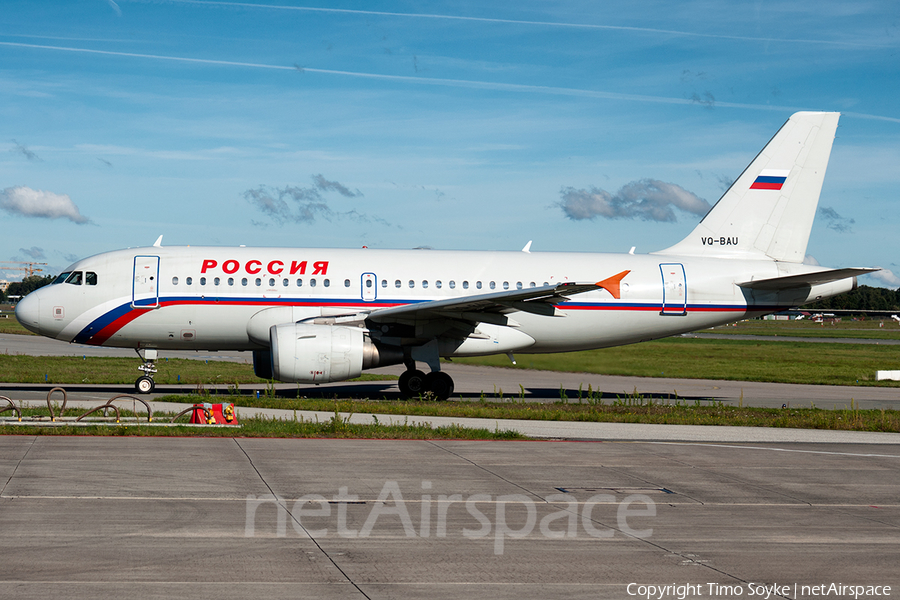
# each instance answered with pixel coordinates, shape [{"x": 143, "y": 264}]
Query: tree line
[
  {"x": 26, "y": 286},
  {"x": 862, "y": 298}
]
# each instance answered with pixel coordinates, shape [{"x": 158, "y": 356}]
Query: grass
[
  {"x": 632, "y": 408},
  {"x": 335, "y": 427},
  {"x": 108, "y": 370},
  {"x": 787, "y": 362},
  {"x": 737, "y": 360},
  {"x": 591, "y": 407},
  {"x": 8, "y": 324},
  {"x": 781, "y": 362},
  {"x": 848, "y": 328}
]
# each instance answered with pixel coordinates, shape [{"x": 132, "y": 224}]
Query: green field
[
  {"x": 873, "y": 329},
  {"x": 8, "y": 324},
  {"x": 781, "y": 362},
  {"x": 106, "y": 370}
]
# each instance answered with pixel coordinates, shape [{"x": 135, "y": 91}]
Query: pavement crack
[
  {"x": 13, "y": 474},
  {"x": 280, "y": 501},
  {"x": 486, "y": 470}
]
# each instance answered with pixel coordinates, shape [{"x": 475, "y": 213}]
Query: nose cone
[{"x": 28, "y": 313}]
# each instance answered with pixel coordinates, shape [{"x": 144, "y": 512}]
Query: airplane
[{"x": 315, "y": 315}]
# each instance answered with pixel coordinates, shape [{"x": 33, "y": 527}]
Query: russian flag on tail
[{"x": 770, "y": 179}]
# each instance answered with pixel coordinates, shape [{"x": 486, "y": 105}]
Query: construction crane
[{"x": 30, "y": 268}]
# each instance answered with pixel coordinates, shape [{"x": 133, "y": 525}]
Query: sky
[{"x": 477, "y": 125}]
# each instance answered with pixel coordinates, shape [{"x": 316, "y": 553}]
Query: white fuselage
[{"x": 204, "y": 297}]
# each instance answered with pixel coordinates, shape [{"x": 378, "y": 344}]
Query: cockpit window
[
  {"x": 90, "y": 278},
  {"x": 74, "y": 278},
  {"x": 61, "y": 277}
]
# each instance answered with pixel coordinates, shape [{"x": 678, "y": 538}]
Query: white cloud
[
  {"x": 887, "y": 277},
  {"x": 647, "y": 199},
  {"x": 26, "y": 202}
]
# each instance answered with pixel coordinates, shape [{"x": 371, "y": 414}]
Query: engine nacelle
[{"x": 307, "y": 353}]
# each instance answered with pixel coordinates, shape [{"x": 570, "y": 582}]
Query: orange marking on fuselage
[{"x": 613, "y": 284}]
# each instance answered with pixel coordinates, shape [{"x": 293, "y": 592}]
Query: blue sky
[{"x": 454, "y": 125}]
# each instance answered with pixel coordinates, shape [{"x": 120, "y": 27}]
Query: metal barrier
[
  {"x": 12, "y": 406},
  {"x": 109, "y": 404},
  {"x": 50, "y": 406}
]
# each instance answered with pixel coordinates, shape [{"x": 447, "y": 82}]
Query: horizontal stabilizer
[{"x": 806, "y": 279}]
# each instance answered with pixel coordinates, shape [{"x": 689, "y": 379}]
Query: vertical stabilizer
[{"x": 768, "y": 212}]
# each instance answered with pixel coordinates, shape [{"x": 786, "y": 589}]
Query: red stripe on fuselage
[{"x": 99, "y": 338}]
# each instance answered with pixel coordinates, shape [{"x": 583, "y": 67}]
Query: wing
[{"x": 492, "y": 308}]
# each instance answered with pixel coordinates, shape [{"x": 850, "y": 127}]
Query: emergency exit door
[
  {"x": 369, "y": 285},
  {"x": 674, "y": 289}
]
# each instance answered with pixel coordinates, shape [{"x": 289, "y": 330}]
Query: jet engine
[{"x": 307, "y": 353}]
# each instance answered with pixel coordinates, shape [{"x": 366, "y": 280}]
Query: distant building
[{"x": 4, "y": 285}]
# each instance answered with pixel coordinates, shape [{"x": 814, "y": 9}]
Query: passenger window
[
  {"x": 478, "y": 284},
  {"x": 74, "y": 278},
  {"x": 90, "y": 278},
  {"x": 203, "y": 281},
  {"x": 326, "y": 282},
  {"x": 285, "y": 283},
  {"x": 346, "y": 283},
  {"x": 505, "y": 285},
  {"x": 174, "y": 281},
  {"x": 369, "y": 283},
  {"x": 244, "y": 282},
  {"x": 258, "y": 282},
  {"x": 217, "y": 281},
  {"x": 493, "y": 286},
  {"x": 519, "y": 285},
  {"x": 437, "y": 284},
  {"x": 384, "y": 283},
  {"x": 231, "y": 281},
  {"x": 532, "y": 284},
  {"x": 397, "y": 284},
  {"x": 271, "y": 282},
  {"x": 465, "y": 285},
  {"x": 312, "y": 283},
  {"x": 452, "y": 284},
  {"x": 424, "y": 283},
  {"x": 299, "y": 283},
  {"x": 412, "y": 284},
  {"x": 189, "y": 280}
]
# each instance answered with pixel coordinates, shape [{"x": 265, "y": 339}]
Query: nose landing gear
[{"x": 145, "y": 383}]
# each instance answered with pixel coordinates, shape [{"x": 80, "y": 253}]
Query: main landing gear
[
  {"x": 145, "y": 383},
  {"x": 414, "y": 383}
]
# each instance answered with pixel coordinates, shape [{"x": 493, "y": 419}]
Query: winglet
[
  {"x": 613, "y": 284},
  {"x": 527, "y": 248},
  {"x": 158, "y": 242}
]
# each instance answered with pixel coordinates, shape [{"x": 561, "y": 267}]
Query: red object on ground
[{"x": 214, "y": 414}]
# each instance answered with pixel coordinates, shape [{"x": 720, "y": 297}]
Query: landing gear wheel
[
  {"x": 412, "y": 383},
  {"x": 144, "y": 385},
  {"x": 439, "y": 385}
]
